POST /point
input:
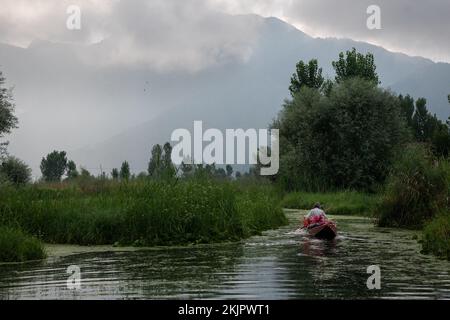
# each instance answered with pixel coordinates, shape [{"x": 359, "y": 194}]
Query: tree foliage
[
  {"x": 425, "y": 127},
  {"x": 15, "y": 170},
  {"x": 155, "y": 163},
  {"x": 125, "y": 172},
  {"x": 115, "y": 174},
  {"x": 160, "y": 164},
  {"x": 53, "y": 166},
  {"x": 72, "y": 172},
  {"x": 344, "y": 133},
  {"x": 84, "y": 173},
  {"x": 344, "y": 140},
  {"x": 407, "y": 108},
  {"x": 7, "y": 119},
  {"x": 355, "y": 64},
  {"x": 307, "y": 74}
]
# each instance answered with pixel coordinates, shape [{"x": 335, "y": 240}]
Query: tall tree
[
  {"x": 423, "y": 122},
  {"x": 425, "y": 128},
  {"x": 407, "y": 108},
  {"x": 115, "y": 174},
  {"x": 7, "y": 119},
  {"x": 168, "y": 167},
  {"x": 344, "y": 140},
  {"x": 355, "y": 64},
  {"x": 54, "y": 165},
  {"x": 307, "y": 74},
  {"x": 440, "y": 142},
  {"x": 85, "y": 173},
  {"x": 72, "y": 171},
  {"x": 155, "y": 163},
  {"x": 160, "y": 164},
  {"x": 125, "y": 171}
]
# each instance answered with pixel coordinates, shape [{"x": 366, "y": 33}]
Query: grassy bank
[
  {"x": 436, "y": 236},
  {"x": 343, "y": 202},
  {"x": 16, "y": 246},
  {"x": 141, "y": 212}
]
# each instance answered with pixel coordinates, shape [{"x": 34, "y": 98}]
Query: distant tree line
[{"x": 55, "y": 166}]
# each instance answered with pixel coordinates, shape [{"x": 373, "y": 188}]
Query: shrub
[{"x": 416, "y": 189}]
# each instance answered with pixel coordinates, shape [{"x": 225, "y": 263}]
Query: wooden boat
[{"x": 325, "y": 230}]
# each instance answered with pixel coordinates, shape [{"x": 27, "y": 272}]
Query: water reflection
[{"x": 316, "y": 247}]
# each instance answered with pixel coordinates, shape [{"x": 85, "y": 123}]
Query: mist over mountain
[{"x": 104, "y": 113}]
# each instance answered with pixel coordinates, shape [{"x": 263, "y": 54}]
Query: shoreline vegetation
[
  {"x": 140, "y": 213},
  {"x": 16, "y": 246}
]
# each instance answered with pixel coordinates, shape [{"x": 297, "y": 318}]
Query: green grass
[
  {"x": 16, "y": 246},
  {"x": 436, "y": 236},
  {"x": 339, "y": 203},
  {"x": 141, "y": 212}
]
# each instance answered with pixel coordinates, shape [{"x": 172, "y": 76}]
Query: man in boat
[{"x": 315, "y": 216}]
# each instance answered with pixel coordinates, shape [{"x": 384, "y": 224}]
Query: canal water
[{"x": 279, "y": 264}]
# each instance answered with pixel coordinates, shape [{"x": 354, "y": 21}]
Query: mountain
[{"x": 104, "y": 114}]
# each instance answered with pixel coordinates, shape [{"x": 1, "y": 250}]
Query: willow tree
[{"x": 344, "y": 140}]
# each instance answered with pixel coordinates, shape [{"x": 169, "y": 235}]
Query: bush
[
  {"x": 416, "y": 189},
  {"x": 15, "y": 171},
  {"x": 436, "y": 236},
  {"x": 15, "y": 246},
  {"x": 344, "y": 202}
]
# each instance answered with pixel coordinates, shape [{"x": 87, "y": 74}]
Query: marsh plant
[
  {"x": 16, "y": 246},
  {"x": 142, "y": 212},
  {"x": 416, "y": 190}
]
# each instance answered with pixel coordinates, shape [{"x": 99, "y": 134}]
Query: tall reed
[{"x": 142, "y": 212}]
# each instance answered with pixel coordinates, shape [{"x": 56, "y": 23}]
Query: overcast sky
[{"x": 153, "y": 31}]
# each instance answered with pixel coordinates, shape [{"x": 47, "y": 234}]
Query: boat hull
[{"x": 326, "y": 230}]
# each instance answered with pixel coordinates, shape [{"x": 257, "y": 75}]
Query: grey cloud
[
  {"x": 414, "y": 27},
  {"x": 193, "y": 34},
  {"x": 168, "y": 34},
  {"x": 24, "y": 21},
  {"x": 159, "y": 34}
]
